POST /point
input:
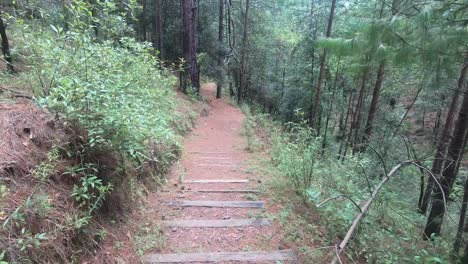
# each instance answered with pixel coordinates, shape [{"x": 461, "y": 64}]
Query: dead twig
[{"x": 338, "y": 196}]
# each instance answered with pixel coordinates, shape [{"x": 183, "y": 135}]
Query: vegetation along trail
[
  {"x": 233, "y": 131},
  {"x": 210, "y": 213}
]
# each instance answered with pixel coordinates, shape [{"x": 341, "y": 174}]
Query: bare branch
[
  {"x": 368, "y": 203},
  {"x": 338, "y": 196}
]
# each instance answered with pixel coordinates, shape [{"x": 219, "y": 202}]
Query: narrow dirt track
[{"x": 215, "y": 151}]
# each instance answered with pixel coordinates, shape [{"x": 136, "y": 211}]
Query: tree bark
[
  {"x": 373, "y": 106},
  {"x": 190, "y": 12},
  {"x": 243, "y": 76},
  {"x": 330, "y": 108},
  {"x": 445, "y": 137},
  {"x": 158, "y": 28},
  {"x": 461, "y": 223},
  {"x": 142, "y": 21},
  {"x": 5, "y": 45},
  {"x": 323, "y": 61},
  {"x": 356, "y": 121},
  {"x": 449, "y": 173},
  {"x": 220, "y": 40}
]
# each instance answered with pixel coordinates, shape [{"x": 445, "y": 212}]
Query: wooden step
[
  {"x": 217, "y": 181},
  {"x": 217, "y": 165},
  {"x": 218, "y": 159},
  {"x": 247, "y": 256},
  {"x": 217, "y": 223},
  {"x": 210, "y": 152},
  {"x": 222, "y": 204},
  {"x": 225, "y": 191}
]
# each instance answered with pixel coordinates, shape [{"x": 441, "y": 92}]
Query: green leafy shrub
[
  {"x": 390, "y": 232},
  {"x": 118, "y": 107}
]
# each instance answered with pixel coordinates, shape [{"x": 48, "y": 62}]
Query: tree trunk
[
  {"x": 220, "y": 53},
  {"x": 158, "y": 28},
  {"x": 142, "y": 21},
  {"x": 449, "y": 173},
  {"x": 323, "y": 61},
  {"x": 191, "y": 43},
  {"x": 330, "y": 108},
  {"x": 5, "y": 45},
  {"x": 243, "y": 77},
  {"x": 461, "y": 223},
  {"x": 373, "y": 106},
  {"x": 343, "y": 139},
  {"x": 356, "y": 124},
  {"x": 445, "y": 137}
]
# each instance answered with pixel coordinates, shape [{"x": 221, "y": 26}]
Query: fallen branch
[
  {"x": 365, "y": 208},
  {"x": 368, "y": 203}
]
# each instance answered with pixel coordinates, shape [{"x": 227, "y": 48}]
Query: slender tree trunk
[
  {"x": 449, "y": 173},
  {"x": 190, "y": 11},
  {"x": 445, "y": 137},
  {"x": 327, "y": 121},
  {"x": 5, "y": 45},
  {"x": 373, "y": 106},
  {"x": 158, "y": 25},
  {"x": 344, "y": 140},
  {"x": 435, "y": 131},
  {"x": 243, "y": 77},
  {"x": 323, "y": 61},
  {"x": 220, "y": 40},
  {"x": 461, "y": 223},
  {"x": 143, "y": 23},
  {"x": 356, "y": 124}
]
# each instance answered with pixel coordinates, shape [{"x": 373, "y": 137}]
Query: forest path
[{"x": 210, "y": 212}]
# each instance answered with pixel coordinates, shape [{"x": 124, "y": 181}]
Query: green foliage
[
  {"x": 296, "y": 153},
  {"x": 46, "y": 168},
  {"x": 337, "y": 187},
  {"x": 111, "y": 96},
  {"x": 149, "y": 237},
  {"x": 249, "y": 132},
  {"x": 91, "y": 192},
  {"x": 2, "y": 258}
]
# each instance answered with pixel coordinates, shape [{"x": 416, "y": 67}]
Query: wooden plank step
[
  {"x": 221, "y": 159},
  {"x": 222, "y": 204},
  {"x": 248, "y": 256},
  {"x": 217, "y": 165},
  {"x": 217, "y": 181},
  {"x": 218, "y": 223},
  {"x": 225, "y": 191},
  {"x": 210, "y": 152}
]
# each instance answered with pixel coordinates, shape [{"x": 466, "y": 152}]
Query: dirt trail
[{"x": 215, "y": 151}]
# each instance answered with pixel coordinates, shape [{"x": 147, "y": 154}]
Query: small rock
[
  {"x": 226, "y": 217},
  {"x": 182, "y": 188},
  {"x": 174, "y": 229},
  {"x": 163, "y": 217}
]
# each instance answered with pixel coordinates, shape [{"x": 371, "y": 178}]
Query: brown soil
[{"x": 214, "y": 150}]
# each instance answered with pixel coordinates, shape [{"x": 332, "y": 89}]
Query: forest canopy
[{"x": 365, "y": 105}]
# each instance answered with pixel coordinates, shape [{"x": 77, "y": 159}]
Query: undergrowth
[
  {"x": 117, "y": 104},
  {"x": 320, "y": 195}
]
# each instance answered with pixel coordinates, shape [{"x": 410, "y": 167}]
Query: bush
[
  {"x": 390, "y": 232},
  {"x": 117, "y": 105}
]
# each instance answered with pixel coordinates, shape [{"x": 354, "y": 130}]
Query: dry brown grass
[{"x": 27, "y": 133}]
